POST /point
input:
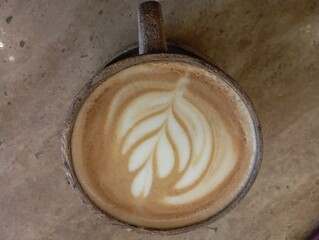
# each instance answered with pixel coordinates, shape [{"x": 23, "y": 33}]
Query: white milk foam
[
  {"x": 163, "y": 145},
  {"x": 153, "y": 118}
]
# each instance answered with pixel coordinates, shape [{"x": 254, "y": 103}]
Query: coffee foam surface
[{"x": 163, "y": 145}]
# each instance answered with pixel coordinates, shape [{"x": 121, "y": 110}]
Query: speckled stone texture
[{"x": 50, "y": 49}]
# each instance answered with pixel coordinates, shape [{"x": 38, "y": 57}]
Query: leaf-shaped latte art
[
  {"x": 159, "y": 130},
  {"x": 164, "y": 144}
]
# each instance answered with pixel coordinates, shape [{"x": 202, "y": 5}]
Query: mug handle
[{"x": 151, "y": 35}]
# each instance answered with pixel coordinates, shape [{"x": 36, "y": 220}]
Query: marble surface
[{"x": 50, "y": 49}]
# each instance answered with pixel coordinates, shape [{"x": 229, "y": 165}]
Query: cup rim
[{"x": 129, "y": 62}]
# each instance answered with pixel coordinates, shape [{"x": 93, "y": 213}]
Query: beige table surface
[{"x": 49, "y": 50}]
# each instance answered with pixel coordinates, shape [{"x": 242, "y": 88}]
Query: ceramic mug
[{"x": 153, "y": 48}]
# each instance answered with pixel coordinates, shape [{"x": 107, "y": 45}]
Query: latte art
[
  {"x": 163, "y": 145},
  {"x": 162, "y": 133},
  {"x": 175, "y": 123}
]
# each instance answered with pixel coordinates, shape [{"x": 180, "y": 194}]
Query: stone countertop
[{"x": 50, "y": 49}]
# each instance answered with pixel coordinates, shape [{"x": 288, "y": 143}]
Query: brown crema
[{"x": 163, "y": 145}]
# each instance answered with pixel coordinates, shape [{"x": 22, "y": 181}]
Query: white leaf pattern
[
  {"x": 201, "y": 135},
  {"x": 165, "y": 159},
  {"x": 142, "y": 153},
  {"x": 160, "y": 128},
  {"x": 182, "y": 143},
  {"x": 138, "y": 131},
  {"x": 151, "y": 103},
  {"x": 143, "y": 181}
]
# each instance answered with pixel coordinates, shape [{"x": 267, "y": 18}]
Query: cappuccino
[{"x": 163, "y": 145}]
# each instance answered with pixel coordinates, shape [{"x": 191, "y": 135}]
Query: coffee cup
[{"x": 161, "y": 142}]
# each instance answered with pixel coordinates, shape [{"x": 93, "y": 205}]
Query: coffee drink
[{"x": 163, "y": 144}]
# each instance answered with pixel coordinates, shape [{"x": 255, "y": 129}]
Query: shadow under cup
[{"x": 129, "y": 59}]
